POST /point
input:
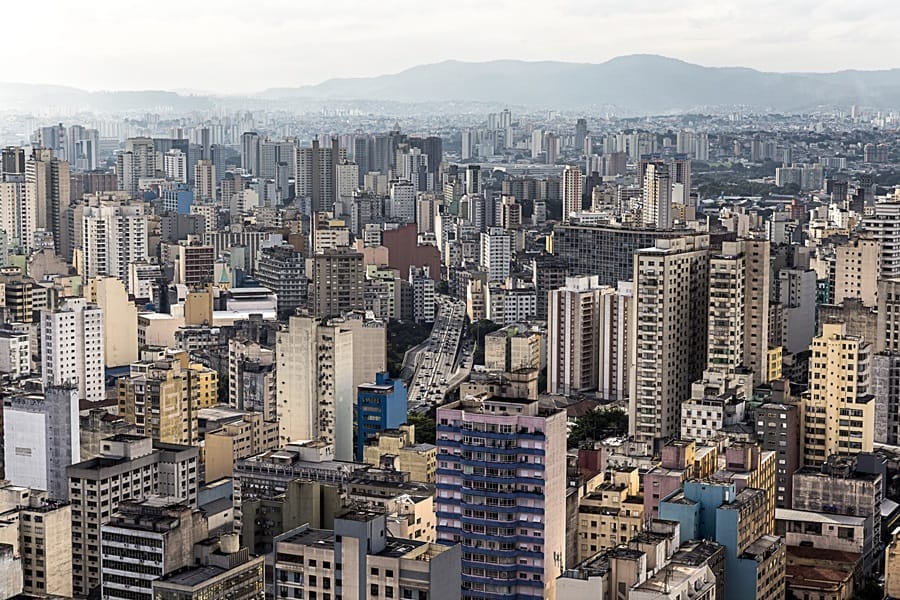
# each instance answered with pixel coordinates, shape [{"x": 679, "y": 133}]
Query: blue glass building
[{"x": 379, "y": 406}]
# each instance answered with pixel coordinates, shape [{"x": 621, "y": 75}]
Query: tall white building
[
  {"x": 884, "y": 227},
  {"x": 205, "y": 180},
  {"x": 113, "y": 236},
  {"x": 403, "y": 201},
  {"x": 72, "y": 348},
  {"x": 136, "y": 161},
  {"x": 47, "y": 191},
  {"x": 423, "y": 294},
  {"x": 315, "y": 391},
  {"x": 175, "y": 165},
  {"x": 657, "y": 196},
  {"x": 573, "y": 328},
  {"x": 347, "y": 175},
  {"x": 496, "y": 253},
  {"x": 315, "y": 178},
  {"x": 18, "y": 211},
  {"x": 41, "y": 434},
  {"x": 570, "y": 191}
]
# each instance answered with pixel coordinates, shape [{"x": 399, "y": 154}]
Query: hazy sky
[{"x": 249, "y": 45}]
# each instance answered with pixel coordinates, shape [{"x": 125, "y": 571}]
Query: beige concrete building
[
  {"x": 888, "y": 320},
  {"x": 163, "y": 397},
  {"x": 856, "y": 271},
  {"x": 119, "y": 319},
  {"x": 667, "y": 341},
  {"x": 238, "y": 435},
  {"x": 418, "y": 459},
  {"x": 610, "y": 515},
  {"x": 892, "y": 568},
  {"x": 513, "y": 348},
  {"x": 338, "y": 282},
  {"x": 839, "y": 416}
]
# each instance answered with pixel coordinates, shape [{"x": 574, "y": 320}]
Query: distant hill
[{"x": 636, "y": 84}]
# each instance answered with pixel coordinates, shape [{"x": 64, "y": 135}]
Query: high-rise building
[
  {"x": 380, "y": 405},
  {"x": 163, "y": 398},
  {"x": 45, "y": 543},
  {"x": 160, "y": 532},
  {"x": 47, "y": 192},
  {"x": 358, "y": 559},
  {"x": 839, "y": 414},
  {"x": 501, "y": 463},
  {"x": 857, "y": 267},
  {"x": 778, "y": 430},
  {"x": 18, "y": 212},
  {"x": 250, "y": 153},
  {"x": 194, "y": 264},
  {"x": 656, "y": 211},
  {"x": 72, "y": 348},
  {"x": 571, "y": 190},
  {"x": 119, "y": 319},
  {"x": 205, "y": 180},
  {"x": 574, "y": 333},
  {"x": 41, "y": 438},
  {"x": 739, "y": 309},
  {"x": 338, "y": 282},
  {"x": 496, "y": 253},
  {"x": 113, "y": 235},
  {"x": 135, "y": 162},
  {"x": 175, "y": 165},
  {"x": 316, "y": 173},
  {"x": 668, "y": 340},
  {"x": 797, "y": 296},
  {"x": 315, "y": 384},
  {"x": 883, "y": 225},
  {"x": 128, "y": 468},
  {"x": 283, "y": 270}
]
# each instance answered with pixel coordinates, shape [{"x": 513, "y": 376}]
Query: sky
[{"x": 241, "y": 46}]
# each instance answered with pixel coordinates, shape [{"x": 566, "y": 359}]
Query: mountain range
[{"x": 635, "y": 84}]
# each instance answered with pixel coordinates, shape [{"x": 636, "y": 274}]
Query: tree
[
  {"x": 598, "y": 424},
  {"x": 425, "y": 427}
]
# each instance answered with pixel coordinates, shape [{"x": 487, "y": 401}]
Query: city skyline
[{"x": 372, "y": 40}]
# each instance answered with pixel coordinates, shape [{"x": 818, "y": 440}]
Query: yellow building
[
  {"x": 420, "y": 460},
  {"x": 774, "y": 362},
  {"x": 892, "y": 568},
  {"x": 610, "y": 515},
  {"x": 120, "y": 319},
  {"x": 240, "y": 435},
  {"x": 163, "y": 397},
  {"x": 839, "y": 416}
]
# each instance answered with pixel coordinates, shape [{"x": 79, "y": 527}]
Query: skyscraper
[
  {"x": 72, "y": 348},
  {"x": 113, "y": 236},
  {"x": 669, "y": 338},
  {"x": 571, "y": 191},
  {"x": 338, "y": 282},
  {"x": 501, "y": 494},
  {"x": 316, "y": 170},
  {"x": 250, "y": 160},
  {"x": 47, "y": 191},
  {"x": 656, "y": 211},
  {"x": 136, "y": 161},
  {"x": 573, "y": 329}
]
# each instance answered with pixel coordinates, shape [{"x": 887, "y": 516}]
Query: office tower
[
  {"x": 162, "y": 398},
  {"x": 194, "y": 264},
  {"x": 362, "y": 155},
  {"x": 433, "y": 147},
  {"x": 338, "y": 282},
  {"x": 485, "y": 437},
  {"x": 18, "y": 212},
  {"x": 113, "y": 236},
  {"x": 856, "y": 271},
  {"x": 423, "y": 294},
  {"x": 250, "y": 159},
  {"x": 797, "y": 296},
  {"x": 473, "y": 180},
  {"x": 574, "y": 332},
  {"x": 668, "y": 340},
  {"x": 467, "y": 143},
  {"x": 840, "y": 410},
  {"x": 273, "y": 153},
  {"x": 137, "y": 161},
  {"x": 41, "y": 438},
  {"x": 656, "y": 211},
  {"x": 45, "y": 543},
  {"x": 551, "y": 143},
  {"x": 72, "y": 348},
  {"x": 739, "y": 309},
  {"x": 283, "y": 270},
  {"x": 570, "y": 189},
  {"x": 205, "y": 180},
  {"x": 128, "y": 468},
  {"x": 754, "y": 558},
  {"x": 315, "y": 384},
  {"x": 358, "y": 559},
  {"x": 380, "y": 405},
  {"x": 496, "y": 253},
  {"x": 160, "y": 532},
  {"x": 47, "y": 191},
  {"x": 886, "y": 364},
  {"x": 316, "y": 173},
  {"x": 52, "y": 138},
  {"x": 581, "y": 131},
  {"x": 12, "y": 161}
]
